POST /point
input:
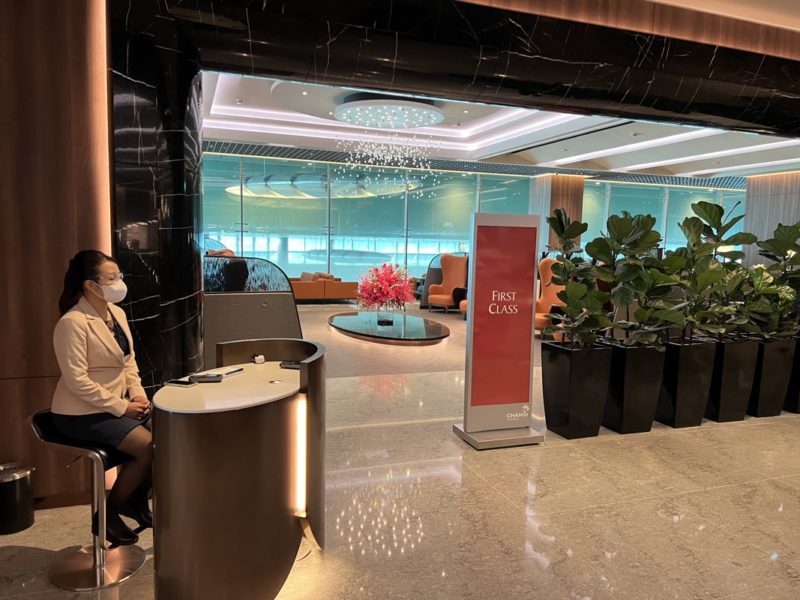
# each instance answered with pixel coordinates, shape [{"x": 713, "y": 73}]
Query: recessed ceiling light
[
  {"x": 239, "y": 101},
  {"x": 305, "y": 93},
  {"x": 330, "y": 112},
  {"x": 466, "y": 112}
]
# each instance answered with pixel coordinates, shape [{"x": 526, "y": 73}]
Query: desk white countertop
[{"x": 258, "y": 384}]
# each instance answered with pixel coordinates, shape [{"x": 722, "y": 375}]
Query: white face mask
[{"x": 115, "y": 292}]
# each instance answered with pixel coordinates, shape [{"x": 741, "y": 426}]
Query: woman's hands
[{"x": 138, "y": 407}]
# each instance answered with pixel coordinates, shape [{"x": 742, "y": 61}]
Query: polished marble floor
[{"x": 708, "y": 512}]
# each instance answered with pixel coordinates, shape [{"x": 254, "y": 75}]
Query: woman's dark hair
[{"x": 84, "y": 265}]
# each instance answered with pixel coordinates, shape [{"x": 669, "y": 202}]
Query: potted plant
[
  {"x": 385, "y": 288},
  {"x": 772, "y": 309},
  {"x": 575, "y": 368},
  {"x": 723, "y": 318},
  {"x": 643, "y": 313},
  {"x": 689, "y": 359}
]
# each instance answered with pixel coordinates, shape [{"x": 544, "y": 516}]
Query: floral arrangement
[{"x": 386, "y": 286}]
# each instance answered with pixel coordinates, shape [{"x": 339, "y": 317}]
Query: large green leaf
[
  {"x": 674, "y": 262},
  {"x": 729, "y": 225},
  {"x": 710, "y": 213},
  {"x": 622, "y": 295},
  {"x": 574, "y": 229},
  {"x": 671, "y": 316},
  {"x": 787, "y": 234},
  {"x": 600, "y": 249},
  {"x": 708, "y": 278},
  {"x": 692, "y": 229},
  {"x": 619, "y": 227},
  {"x": 574, "y": 292},
  {"x": 740, "y": 239}
]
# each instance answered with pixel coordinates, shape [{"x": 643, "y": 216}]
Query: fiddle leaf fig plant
[
  {"x": 712, "y": 282},
  {"x": 768, "y": 310},
  {"x": 625, "y": 257},
  {"x": 783, "y": 249},
  {"x": 582, "y": 318}
]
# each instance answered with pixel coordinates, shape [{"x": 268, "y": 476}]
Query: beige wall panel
[{"x": 771, "y": 199}]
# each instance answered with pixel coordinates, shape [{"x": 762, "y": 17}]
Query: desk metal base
[{"x": 499, "y": 438}]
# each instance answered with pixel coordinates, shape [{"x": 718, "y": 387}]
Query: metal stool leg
[{"x": 95, "y": 567}]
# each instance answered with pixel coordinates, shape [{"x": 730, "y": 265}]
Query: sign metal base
[{"x": 499, "y": 438}]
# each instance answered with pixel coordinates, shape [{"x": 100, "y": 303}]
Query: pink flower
[{"x": 385, "y": 286}]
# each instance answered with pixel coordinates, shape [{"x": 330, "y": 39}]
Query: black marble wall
[
  {"x": 155, "y": 90},
  {"x": 435, "y": 47}
]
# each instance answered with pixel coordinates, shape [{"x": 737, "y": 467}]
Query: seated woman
[{"x": 99, "y": 397}]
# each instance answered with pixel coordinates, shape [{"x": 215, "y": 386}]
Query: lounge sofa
[{"x": 322, "y": 286}]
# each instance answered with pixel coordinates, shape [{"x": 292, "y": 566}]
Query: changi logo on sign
[
  {"x": 501, "y": 303},
  {"x": 516, "y": 416}
]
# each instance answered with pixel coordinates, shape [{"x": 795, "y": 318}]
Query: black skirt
[{"x": 103, "y": 428}]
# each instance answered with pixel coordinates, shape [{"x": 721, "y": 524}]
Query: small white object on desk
[{"x": 254, "y": 385}]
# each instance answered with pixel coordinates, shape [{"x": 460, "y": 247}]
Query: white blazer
[{"x": 95, "y": 375}]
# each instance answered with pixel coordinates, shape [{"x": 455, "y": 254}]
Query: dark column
[{"x": 157, "y": 209}]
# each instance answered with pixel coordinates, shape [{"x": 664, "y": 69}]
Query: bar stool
[{"x": 96, "y": 566}]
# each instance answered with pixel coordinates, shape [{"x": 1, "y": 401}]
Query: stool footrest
[{"x": 78, "y": 572}]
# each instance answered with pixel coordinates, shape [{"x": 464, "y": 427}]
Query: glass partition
[
  {"x": 367, "y": 209},
  {"x": 222, "y": 206},
  {"x": 439, "y": 209},
  {"x": 594, "y": 209},
  {"x": 508, "y": 195},
  {"x": 638, "y": 199},
  {"x": 285, "y": 213},
  {"x": 342, "y": 218},
  {"x": 668, "y": 204}
]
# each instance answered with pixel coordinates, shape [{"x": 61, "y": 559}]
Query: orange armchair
[
  {"x": 547, "y": 293},
  {"x": 454, "y": 275}
]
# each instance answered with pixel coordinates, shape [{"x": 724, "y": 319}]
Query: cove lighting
[
  {"x": 625, "y": 148},
  {"x": 389, "y": 114},
  {"x": 758, "y": 165},
  {"x": 707, "y": 155}
]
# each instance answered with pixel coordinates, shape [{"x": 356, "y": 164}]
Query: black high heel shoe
[
  {"x": 138, "y": 511},
  {"x": 117, "y": 533},
  {"x": 137, "y": 508}
]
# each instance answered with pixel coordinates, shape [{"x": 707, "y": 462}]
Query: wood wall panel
[
  {"x": 557, "y": 191},
  {"x": 566, "y": 192},
  {"x": 670, "y": 21},
  {"x": 55, "y": 473},
  {"x": 771, "y": 199},
  {"x": 54, "y": 197}
]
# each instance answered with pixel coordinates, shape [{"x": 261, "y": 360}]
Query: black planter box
[
  {"x": 792, "y": 401},
  {"x": 732, "y": 381},
  {"x": 574, "y": 383},
  {"x": 633, "y": 389},
  {"x": 685, "y": 383},
  {"x": 771, "y": 381}
]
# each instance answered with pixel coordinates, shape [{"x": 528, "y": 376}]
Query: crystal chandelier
[{"x": 396, "y": 144}]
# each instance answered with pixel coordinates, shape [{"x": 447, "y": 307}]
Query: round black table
[{"x": 404, "y": 329}]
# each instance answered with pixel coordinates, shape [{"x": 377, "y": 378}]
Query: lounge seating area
[
  {"x": 322, "y": 287},
  {"x": 449, "y": 293}
]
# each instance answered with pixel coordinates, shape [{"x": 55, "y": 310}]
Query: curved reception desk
[{"x": 239, "y": 472}]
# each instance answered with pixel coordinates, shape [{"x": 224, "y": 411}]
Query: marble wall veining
[
  {"x": 439, "y": 48},
  {"x": 156, "y": 104}
]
